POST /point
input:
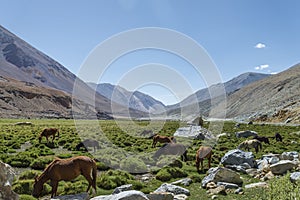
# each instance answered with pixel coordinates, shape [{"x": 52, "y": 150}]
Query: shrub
[
  {"x": 29, "y": 174},
  {"x": 113, "y": 178},
  {"x": 41, "y": 163},
  {"x": 23, "y": 186},
  {"x": 167, "y": 173},
  {"x": 26, "y": 197},
  {"x": 133, "y": 165}
]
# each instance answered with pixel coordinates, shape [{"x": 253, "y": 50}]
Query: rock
[
  {"x": 194, "y": 132},
  {"x": 252, "y": 172},
  {"x": 122, "y": 188},
  {"x": 214, "y": 196},
  {"x": 127, "y": 195},
  {"x": 185, "y": 182},
  {"x": 7, "y": 174},
  {"x": 218, "y": 190},
  {"x": 221, "y": 174},
  {"x": 174, "y": 189},
  {"x": 238, "y": 191},
  {"x": 293, "y": 155},
  {"x": 23, "y": 124},
  {"x": 259, "y": 184},
  {"x": 268, "y": 176},
  {"x": 263, "y": 165},
  {"x": 282, "y": 167},
  {"x": 295, "y": 177},
  {"x": 228, "y": 185},
  {"x": 245, "y": 134},
  {"x": 160, "y": 196},
  {"x": 82, "y": 196},
  {"x": 238, "y": 157},
  {"x": 180, "y": 197},
  {"x": 211, "y": 185},
  {"x": 274, "y": 160}
]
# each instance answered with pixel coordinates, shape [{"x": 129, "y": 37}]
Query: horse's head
[
  {"x": 37, "y": 188},
  {"x": 40, "y": 139}
]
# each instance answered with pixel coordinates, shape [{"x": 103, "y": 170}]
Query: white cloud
[
  {"x": 261, "y": 67},
  {"x": 260, "y": 46}
]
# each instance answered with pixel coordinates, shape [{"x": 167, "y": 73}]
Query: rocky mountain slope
[
  {"x": 135, "y": 100},
  {"x": 22, "y": 62},
  {"x": 276, "y": 98}
]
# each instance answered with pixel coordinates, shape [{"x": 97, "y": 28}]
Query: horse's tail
[{"x": 94, "y": 175}]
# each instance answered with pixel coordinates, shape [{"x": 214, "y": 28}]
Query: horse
[
  {"x": 203, "y": 152},
  {"x": 278, "y": 137},
  {"x": 47, "y": 132},
  {"x": 66, "y": 170},
  {"x": 247, "y": 144},
  {"x": 262, "y": 139},
  {"x": 88, "y": 143},
  {"x": 172, "y": 149},
  {"x": 162, "y": 139}
]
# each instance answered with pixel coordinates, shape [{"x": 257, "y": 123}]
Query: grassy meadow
[{"x": 122, "y": 147}]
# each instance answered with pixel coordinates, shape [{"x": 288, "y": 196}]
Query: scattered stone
[
  {"x": 295, "y": 177},
  {"x": 82, "y": 196},
  {"x": 238, "y": 157},
  {"x": 245, "y": 134},
  {"x": 180, "y": 197},
  {"x": 228, "y": 185},
  {"x": 23, "y": 124},
  {"x": 221, "y": 174},
  {"x": 268, "y": 176},
  {"x": 259, "y": 184},
  {"x": 160, "y": 196},
  {"x": 282, "y": 167},
  {"x": 218, "y": 190},
  {"x": 211, "y": 185},
  {"x": 7, "y": 174},
  {"x": 239, "y": 191},
  {"x": 194, "y": 132},
  {"x": 127, "y": 195},
  {"x": 185, "y": 182},
  {"x": 174, "y": 189},
  {"x": 122, "y": 188},
  {"x": 293, "y": 155},
  {"x": 214, "y": 196},
  {"x": 252, "y": 172}
]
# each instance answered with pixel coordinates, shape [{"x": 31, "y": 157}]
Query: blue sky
[{"x": 239, "y": 36}]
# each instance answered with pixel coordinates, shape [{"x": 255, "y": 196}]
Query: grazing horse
[
  {"x": 88, "y": 143},
  {"x": 172, "y": 149},
  {"x": 162, "y": 139},
  {"x": 203, "y": 152},
  {"x": 47, "y": 132},
  {"x": 247, "y": 144},
  {"x": 67, "y": 170},
  {"x": 262, "y": 139},
  {"x": 278, "y": 137}
]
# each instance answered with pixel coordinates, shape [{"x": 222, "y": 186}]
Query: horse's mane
[{"x": 51, "y": 164}]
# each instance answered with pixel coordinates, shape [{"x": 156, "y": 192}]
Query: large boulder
[
  {"x": 295, "y": 177},
  {"x": 174, "y": 189},
  {"x": 282, "y": 167},
  {"x": 292, "y": 155},
  {"x": 126, "y": 195},
  {"x": 7, "y": 174},
  {"x": 238, "y": 157},
  {"x": 221, "y": 174},
  {"x": 122, "y": 188},
  {"x": 245, "y": 134},
  {"x": 194, "y": 132}
]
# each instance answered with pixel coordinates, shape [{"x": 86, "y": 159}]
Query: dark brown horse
[
  {"x": 202, "y": 153},
  {"x": 262, "y": 139},
  {"x": 47, "y": 132},
  {"x": 172, "y": 149},
  {"x": 248, "y": 144},
  {"x": 66, "y": 170},
  {"x": 88, "y": 143},
  {"x": 162, "y": 139}
]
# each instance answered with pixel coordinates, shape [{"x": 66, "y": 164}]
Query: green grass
[{"x": 119, "y": 141}]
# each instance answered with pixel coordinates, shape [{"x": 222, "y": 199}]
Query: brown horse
[
  {"x": 247, "y": 144},
  {"x": 172, "y": 149},
  {"x": 203, "y": 152},
  {"x": 162, "y": 139},
  {"x": 47, "y": 132},
  {"x": 262, "y": 139},
  {"x": 66, "y": 169}
]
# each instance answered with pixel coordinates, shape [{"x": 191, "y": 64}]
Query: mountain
[
  {"x": 229, "y": 86},
  {"x": 22, "y": 62},
  {"x": 275, "y": 98},
  {"x": 135, "y": 100}
]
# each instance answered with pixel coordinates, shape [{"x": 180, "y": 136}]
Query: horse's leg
[
  {"x": 87, "y": 175},
  {"x": 53, "y": 137},
  {"x": 153, "y": 143},
  {"x": 47, "y": 139},
  {"x": 54, "y": 185}
]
